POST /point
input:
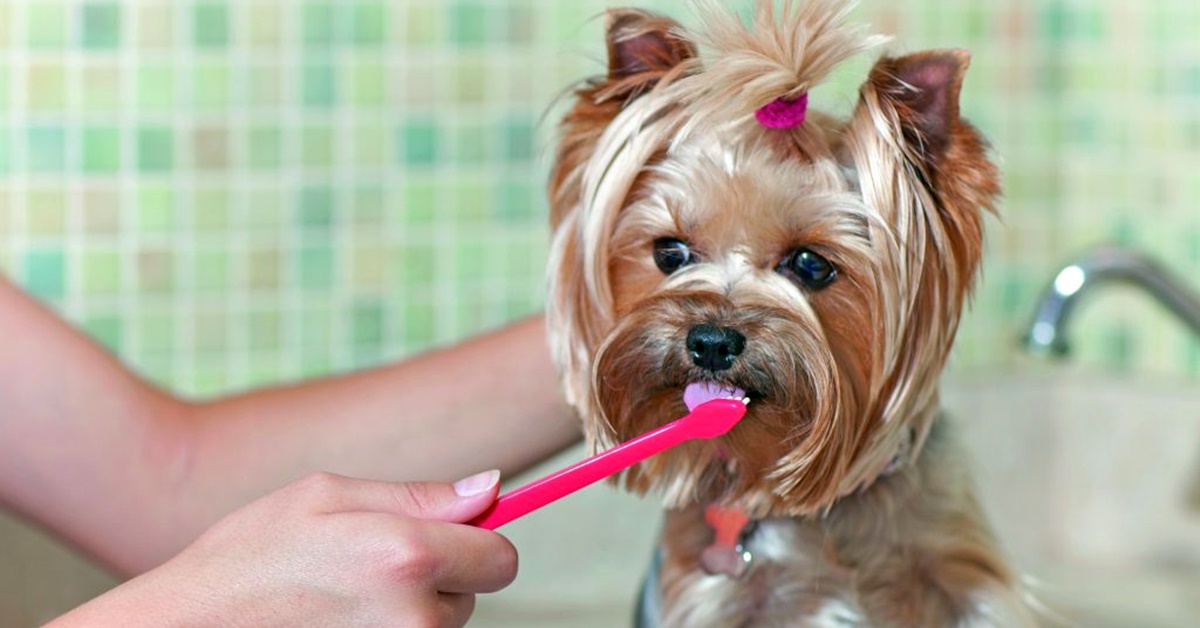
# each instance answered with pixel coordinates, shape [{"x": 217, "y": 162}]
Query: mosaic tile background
[{"x": 233, "y": 192}]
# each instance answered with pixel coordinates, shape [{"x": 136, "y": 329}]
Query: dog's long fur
[{"x": 843, "y": 379}]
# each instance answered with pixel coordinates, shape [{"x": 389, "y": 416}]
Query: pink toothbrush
[{"x": 708, "y": 420}]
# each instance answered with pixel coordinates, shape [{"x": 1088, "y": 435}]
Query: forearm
[{"x": 86, "y": 448}]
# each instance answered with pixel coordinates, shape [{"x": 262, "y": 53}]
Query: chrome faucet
[{"x": 1047, "y": 332}]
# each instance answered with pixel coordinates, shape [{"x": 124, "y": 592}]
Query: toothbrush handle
[{"x": 555, "y": 486}]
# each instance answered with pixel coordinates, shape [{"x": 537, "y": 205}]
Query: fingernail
[{"x": 477, "y": 483}]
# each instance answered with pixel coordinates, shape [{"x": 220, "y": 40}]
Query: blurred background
[{"x": 230, "y": 193}]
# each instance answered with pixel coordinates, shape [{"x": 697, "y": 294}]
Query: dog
[{"x": 715, "y": 237}]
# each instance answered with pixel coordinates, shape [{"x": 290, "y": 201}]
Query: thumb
[{"x": 455, "y": 503}]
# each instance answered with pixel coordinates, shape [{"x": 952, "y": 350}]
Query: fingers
[
  {"x": 471, "y": 560},
  {"x": 433, "y": 556},
  {"x": 459, "y": 502}
]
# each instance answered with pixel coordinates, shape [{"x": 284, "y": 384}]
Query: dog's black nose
[{"x": 714, "y": 348}]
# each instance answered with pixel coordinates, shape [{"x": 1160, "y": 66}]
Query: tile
[
  {"x": 416, "y": 265},
  {"x": 265, "y": 330},
  {"x": 264, "y": 84},
  {"x": 316, "y": 207},
  {"x": 44, "y": 273},
  {"x": 368, "y": 84},
  {"x": 368, "y": 267},
  {"x": 422, "y": 24},
  {"x": 319, "y": 24},
  {"x": 155, "y": 149},
  {"x": 101, "y": 208},
  {"x": 518, "y": 140},
  {"x": 100, "y": 271},
  {"x": 211, "y": 87},
  {"x": 469, "y": 23},
  {"x": 316, "y": 331},
  {"x": 265, "y": 209},
  {"x": 264, "y": 147},
  {"x": 367, "y": 327},
  {"x": 419, "y": 325},
  {"x": 420, "y": 201},
  {"x": 156, "y": 271},
  {"x": 264, "y": 269},
  {"x": 210, "y": 148},
  {"x": 156, "y": 209},
  {"x": 46, "y": 86},
  {"x": 317, "y": 146},
  {"x": 45, "y": 25},
  {"x": 46, "y": 211},
  {"x": 315, "y": 267},
  {"x": 368, "y": 23},
  {"x": 156, "y": 20},
  {"x": 367, "y": 206},
  {"x": 370, "y": 145},
  {"x": 210, "y": 25},
  {"x": 100, "y": 25},
  {"x": 263, "y": 23},
  {"x": 156, "y": 332},
  {"x": 210, "y": 331},
  {"x": 521, "y": 202},
  {"x": 100, "y": 150},
  {"x": 212, "y": 208},
  {"x": 156, "y": 87},
  {"x": 212, "y": 271},
  {"x": 101, "y": 90},
  {"x": 419, "y": 142},
  {"x": 319, "y": 88}
]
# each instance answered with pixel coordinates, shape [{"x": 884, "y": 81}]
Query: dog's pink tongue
[{"x": 697, "y": 393}]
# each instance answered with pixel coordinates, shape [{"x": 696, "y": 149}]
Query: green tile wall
[{"x": 233, "y": 192}]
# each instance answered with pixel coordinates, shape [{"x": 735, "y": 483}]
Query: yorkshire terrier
[{"x": 715, "y": 237}]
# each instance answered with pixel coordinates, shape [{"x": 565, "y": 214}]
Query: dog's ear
[
  {"x": 924, "y": 89},
  {"x": 643, "y": 49},
  {"x": 909, "y": 141}
]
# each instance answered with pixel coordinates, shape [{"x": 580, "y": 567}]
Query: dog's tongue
[{"x": 697, "y": 393}]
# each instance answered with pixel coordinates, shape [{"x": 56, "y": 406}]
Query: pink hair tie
[{"x": 782, "y": 113}]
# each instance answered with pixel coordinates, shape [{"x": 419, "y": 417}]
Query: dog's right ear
[{"x": 643, "y": 48}]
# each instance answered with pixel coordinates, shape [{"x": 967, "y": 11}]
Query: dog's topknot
[{"x": 780, "y": 53}]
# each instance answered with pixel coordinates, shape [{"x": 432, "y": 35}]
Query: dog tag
[{"x": 727, "y": 554}]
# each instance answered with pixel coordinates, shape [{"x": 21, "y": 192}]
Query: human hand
[{"x": 335, "y": 551}]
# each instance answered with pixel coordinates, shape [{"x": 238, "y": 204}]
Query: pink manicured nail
[{"x": 477, "y": 483}]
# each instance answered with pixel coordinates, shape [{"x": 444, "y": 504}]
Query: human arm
[{"x": 131, "y": 474}]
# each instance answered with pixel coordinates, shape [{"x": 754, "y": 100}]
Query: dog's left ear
[{"x": 922, "y": 89}]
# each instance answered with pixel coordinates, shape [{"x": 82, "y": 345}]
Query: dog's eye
[
  {"x": 810, "y": 268},
  {"x": 671, "y": 254}
]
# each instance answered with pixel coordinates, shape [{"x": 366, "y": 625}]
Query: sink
[{"x": 1085, "y": 478}]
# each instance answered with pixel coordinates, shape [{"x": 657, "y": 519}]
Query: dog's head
[{"x": 820, "y": 267}]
